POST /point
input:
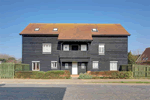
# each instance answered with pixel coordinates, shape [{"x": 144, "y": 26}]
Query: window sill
[
  {"x": 46, "y": 53},
  {"x": 101, "y": 54},
  {"x": 53, "y": 68},
  {"x": 35, "y": 70}
]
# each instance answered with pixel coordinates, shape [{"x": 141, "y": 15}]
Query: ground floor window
[
  {"x": 95, "y": 64},
  {"x": 54, "y": 64},
  {"x": 82, "y": 65},
  {"x": 35, "y": 65},
  {"x": 66, "y": 66},
  {"x": 113, "y": 65}
]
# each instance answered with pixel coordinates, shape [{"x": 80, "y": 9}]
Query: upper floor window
[
  {"x": 75, "y": 47},
  {"x": 66, "y": 47},
  {"x": 35, "y": 65},
  {"x": 53, "y": 64},
  {"x": 95, "y": 64},
  {"x": 47, "y": 48},
  {"x": 101, "y": 49},
  {"x": 83, "y": 47}
]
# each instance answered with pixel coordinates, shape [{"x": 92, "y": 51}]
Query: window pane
[
  {"x": 37, "y": 66},
  {"x": 33, "y": 66}
]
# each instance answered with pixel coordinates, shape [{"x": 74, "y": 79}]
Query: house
[
  {"x": 144, "y": 58},
  {"x": 75, "y": 47}
]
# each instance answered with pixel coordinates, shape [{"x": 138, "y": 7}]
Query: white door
[{"x": 74, "y": 69}]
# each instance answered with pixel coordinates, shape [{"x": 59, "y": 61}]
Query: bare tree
[{"x": 5, "y": 56}]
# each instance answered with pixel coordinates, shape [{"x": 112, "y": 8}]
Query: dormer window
[
  {"x": 94, "y": 30},
  {"x": 55, "y": 29},
  {"x": 36, "y": 29}
]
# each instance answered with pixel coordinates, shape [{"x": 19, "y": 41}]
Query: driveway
[{"x": 73, "y": 92}]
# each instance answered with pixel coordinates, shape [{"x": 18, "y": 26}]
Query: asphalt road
[{"x": 74, "y": 92}]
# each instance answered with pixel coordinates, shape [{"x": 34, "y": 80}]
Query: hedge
[
  {"x": 110, "y": 75},
  {"x": 22, "y": 67},
  {"x": 58, "y": 74}
]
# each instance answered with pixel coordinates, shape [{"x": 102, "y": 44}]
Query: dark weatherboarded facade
[{"x": 46, "y": 51}]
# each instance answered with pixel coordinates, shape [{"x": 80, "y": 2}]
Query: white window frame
[
  {"x": 83, "y": 66},
  {"x": 47, "y": 50},
  {"x": 84, "y": 47},
  {"x": 66, "y": 45},
  {"x": 112, "y": 65},
  {"x": 35, "y": 66},
  {"x": 55, "y": 29},
  {"x": 36, "y": 29},
  {"x": 66, "y": 66},
  {"x": 94, "y": 30},
  {"x": 54, "y": 67},
  {"x": 102, "y": 48},
  {"x": 93, "y": 64}
]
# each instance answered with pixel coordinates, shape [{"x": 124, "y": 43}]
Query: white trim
[
  {"x": 66, "y": 66},
  {"x": 113, "y": 67},
  {"x": 102, "y": 47},
  {"x": 96, "y": 63},
  {"x": 66, "y": 45},
  {"x": 55, "y": 29},
  {"x": 36, "y": 64},
  {"x": 85, "y": 47},
  {"x": 36, "y": 29},
  {"x": 52, "y": 67},
  {"x": 44, "y": 49},
  {"x": 113, "y": 61}
]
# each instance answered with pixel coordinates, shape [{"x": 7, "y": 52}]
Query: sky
[{"x": 15, "y": 15}]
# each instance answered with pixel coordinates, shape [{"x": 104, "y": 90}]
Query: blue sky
[{"x": 15, "y": 15}]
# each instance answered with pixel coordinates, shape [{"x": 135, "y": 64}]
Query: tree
[
  {"x": 12, "y": 58},
  {"x": 131, "y": 58}
]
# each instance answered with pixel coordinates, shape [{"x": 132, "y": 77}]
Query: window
[
  {"x": 46, "y": 48},
  {"x": 82, "y": 65},
  {"x": 53, "y": 64},
  {"x": 35, "y": 65},
  {"x": 146, "y": 58},
  {"x": 36, "y": 29},
  {"x": 95, "y": 64},
  {"x": 66, "y": 66},
  {"x": 113, "y": 65},
  {"x": 74, "y": 47},
  {"x": 143, "y": 58},
  {"x": 83, "y": 47},
  {"x": 66, "y": 47},
  {"x": 55, "y": 29},
  {"x": 94, "y": 30},
  {"x": 101, "y": 49}
]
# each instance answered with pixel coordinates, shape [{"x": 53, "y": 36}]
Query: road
[{"x": 74, "y": 92}]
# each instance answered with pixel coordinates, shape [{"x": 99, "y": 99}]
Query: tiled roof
[
  {"x": 145, "y": 54},
  {"x": 75, "y": 31}
]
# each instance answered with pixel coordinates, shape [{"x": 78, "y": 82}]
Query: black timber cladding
[{"x": 116, "y": 49}]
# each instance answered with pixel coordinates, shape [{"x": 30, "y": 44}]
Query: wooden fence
[
  {"x": 141, "y": 70},
  {"x": 7, "y": 70}
]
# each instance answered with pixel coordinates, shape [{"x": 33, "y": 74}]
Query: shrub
[
  {"x": 22, "y": 67},
  {"x": 24, "y": 74},
  {"x": 122, "y": 75},
  {"x": 37, "y": 75},
  {"x": 85, "y": 76},
  {"x": 58, "y": 74}
]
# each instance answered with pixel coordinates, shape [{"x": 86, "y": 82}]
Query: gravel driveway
[{"x": 73, "y": 92}]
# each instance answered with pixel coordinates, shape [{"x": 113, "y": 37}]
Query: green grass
[{"x": 124, "y": 82}]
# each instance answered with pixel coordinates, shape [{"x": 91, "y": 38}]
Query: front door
[{"x": 74, "y": 68}]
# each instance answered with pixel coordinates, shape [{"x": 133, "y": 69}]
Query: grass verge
[{"x": 129, "y": 82}]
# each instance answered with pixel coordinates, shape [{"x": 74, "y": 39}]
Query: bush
[
  {"x": 22, "y": 67},
  {"x": 85, "y": 76},
  {"x": 58, "y": 74},
  {"x": 37, "y": 75},
  {"x": 127, "y": 67},
  {"x": 24, "y": 74},
  {"x": 122, "y": 75}
]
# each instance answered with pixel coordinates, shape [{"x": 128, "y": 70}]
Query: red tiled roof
[
  {"x": 75, "y": 31},
  {"x": 145, "y": 54}
]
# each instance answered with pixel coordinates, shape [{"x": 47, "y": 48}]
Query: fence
[
  {"x": 141, "y": 70},
  {"x": 7, "y": 70}
]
